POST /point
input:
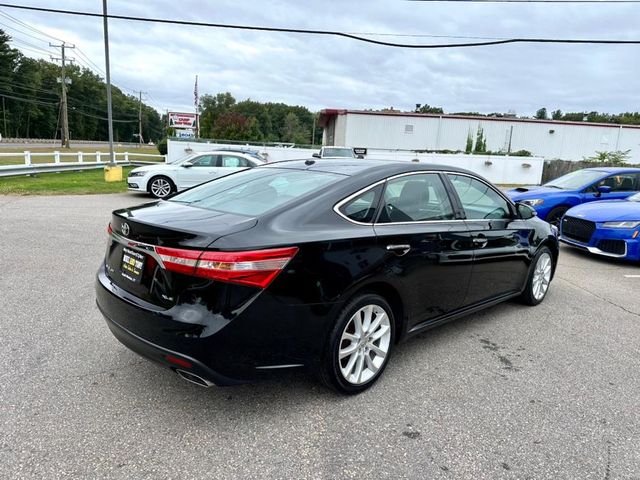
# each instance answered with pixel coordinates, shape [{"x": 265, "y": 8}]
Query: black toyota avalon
[{"x": 319, "y": 265}]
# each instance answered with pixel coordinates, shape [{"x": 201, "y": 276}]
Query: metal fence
[{"x": 65, "y": 161}]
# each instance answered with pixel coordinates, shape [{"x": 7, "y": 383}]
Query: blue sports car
[
  {"x": 610, "y": 228},
  {"x": 554, "y": 198}
]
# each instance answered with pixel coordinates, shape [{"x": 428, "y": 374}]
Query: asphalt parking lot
[{"x": 551, "y": 392}]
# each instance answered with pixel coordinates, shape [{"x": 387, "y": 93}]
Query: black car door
[
  {"x": 429, "y": 250},
  {"x": 501, "y": 240}
]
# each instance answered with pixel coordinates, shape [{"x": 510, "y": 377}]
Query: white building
[{"x": 416, "y": 131}]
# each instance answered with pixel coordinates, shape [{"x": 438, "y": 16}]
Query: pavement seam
[{"x": 600, "y": 297}]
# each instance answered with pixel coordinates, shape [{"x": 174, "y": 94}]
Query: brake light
[
  {"x": 257, "y": 268},
  {"x": 109, "y": 229}
]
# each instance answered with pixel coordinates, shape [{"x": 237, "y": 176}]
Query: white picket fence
[{"x": 64, "y": 161}]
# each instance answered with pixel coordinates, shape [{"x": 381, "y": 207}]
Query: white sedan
[{"x": 164, "y": 179}]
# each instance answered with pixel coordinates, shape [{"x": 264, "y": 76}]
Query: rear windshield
[
  {"x": 338, "y": 152},
  {"x": 256, "y": 191}
]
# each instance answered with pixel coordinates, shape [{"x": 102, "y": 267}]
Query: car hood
[
  {"x": 539, "y": 191},
  {"x": 607, "y": 211}
]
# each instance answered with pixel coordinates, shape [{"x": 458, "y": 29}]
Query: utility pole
[
  {"x": 140, "y": 118},
  {"x": 63, "y": 95},
  {"x": 105, "y": 26},
  {"x": 4, "y": 117}
]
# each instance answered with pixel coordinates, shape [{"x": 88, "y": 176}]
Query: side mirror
[
  {"x": 526, "y": 211},
  {"x": 187, "y": 164},
  {"x": 316, "y": 155},
  {"x": 604, "y": 189}
]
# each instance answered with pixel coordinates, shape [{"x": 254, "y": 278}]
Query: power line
[
  {"x": 27, "y": 100},
  {"x": 33, "y": 29},
  {"x": 73, "y": 109},
  {"x": 83, "y": 57},
  {"x": 30, "y": 46},
  {"x": 25, "y": 87},
  {"x": 102, "y": 118},
  {"x": 21, "y": 32},
  {"x": 336, "y": 33}
]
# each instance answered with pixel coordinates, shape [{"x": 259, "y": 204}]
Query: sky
[{"x": 328, "y": 72}]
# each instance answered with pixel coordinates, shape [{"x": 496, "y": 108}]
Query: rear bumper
[
  {"x": 160, "y": 355},
  {"x": 264, "y": 336}
]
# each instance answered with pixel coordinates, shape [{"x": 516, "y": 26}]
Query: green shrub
[{"x": 162, "y": 146}]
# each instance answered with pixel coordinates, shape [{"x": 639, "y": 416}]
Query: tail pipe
[{"x": 193, "y": 378}]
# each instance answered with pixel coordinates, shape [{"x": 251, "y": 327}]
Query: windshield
[
  {"x": 338, "y": 152},
  {"x": 575, "y": 180},
  {"x": 184, "y": 158},
  {"x": 634, "y": 198},
  {"x": 256, "y": 191}
]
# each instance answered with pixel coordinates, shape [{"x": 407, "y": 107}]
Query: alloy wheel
[
  {"x": 160, "y": 187},
  {"x": 541, "y": 276},
  {"x": 364, "y": 344}
]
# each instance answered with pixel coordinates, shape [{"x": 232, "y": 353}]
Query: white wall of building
[
  {"x": 550, "y": 140},
  {"x": 497, "y": 169}
]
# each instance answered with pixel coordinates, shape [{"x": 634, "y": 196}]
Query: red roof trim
[{"x": 329, "y": 112}]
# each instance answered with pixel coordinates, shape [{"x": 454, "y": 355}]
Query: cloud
[{"x": 321, "y": 71}]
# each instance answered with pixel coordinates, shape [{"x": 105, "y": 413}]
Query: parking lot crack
[{"x": 610, "y": 302}]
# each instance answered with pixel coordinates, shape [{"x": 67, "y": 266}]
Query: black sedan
[{"x": 322, "y": 265}]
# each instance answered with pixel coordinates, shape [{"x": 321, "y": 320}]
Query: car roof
[
  {"x": 615, "y": 169},
  {"x": 350, "y": 167},
  {"x": 227, "y": 152}
]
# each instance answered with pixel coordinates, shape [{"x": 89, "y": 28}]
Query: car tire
[
  {"x": 555, "y": 215},
  {"x": 363, "y": 336},
  {"x": 539, "y": 278},
  {"x": 161, "y": 186}
]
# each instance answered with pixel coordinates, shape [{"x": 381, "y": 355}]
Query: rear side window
[
  {"x": 416, "y": 198},
  {"x": 363, "y": 207},
  {"x": 479, "y": 200},
  {"x": 232, "y": 161},
  {"x": 255, "y": 191}
]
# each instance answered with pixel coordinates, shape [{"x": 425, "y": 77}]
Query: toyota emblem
[{"x": 125, "y": 229}]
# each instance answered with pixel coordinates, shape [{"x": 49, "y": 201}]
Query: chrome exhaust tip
[{"x": 193, "y": 378}]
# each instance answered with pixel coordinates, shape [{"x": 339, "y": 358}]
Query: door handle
[
  {"x": 480, "y": 242},
  {"x": 399, "y": 250}
]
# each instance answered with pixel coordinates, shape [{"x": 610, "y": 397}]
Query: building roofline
[{"x": 330, "y": 112}]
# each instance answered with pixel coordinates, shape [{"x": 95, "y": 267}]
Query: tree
[
  {"x": 469, "y": 146},
  {"x": 235, "y": 126},
  {"x": 481, "y": 144},
  {"x": 211, "y": 108},
  {"x": 615, "y": 158},
  {"x": 556, "y": 115},
  {"x": 293, "y": 131},
  {"x": 541, "y": 114},
  {"x": 426, "y": 108}
]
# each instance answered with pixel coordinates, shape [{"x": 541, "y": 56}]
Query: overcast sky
[{"x": 326, "y": 72}]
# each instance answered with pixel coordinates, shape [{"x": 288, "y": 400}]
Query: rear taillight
[
  {"x": 109, "y": 229},
  {"x": 256, "y": 268}
]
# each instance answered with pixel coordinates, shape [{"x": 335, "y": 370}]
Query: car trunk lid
[{"x": 132, "y": 260}]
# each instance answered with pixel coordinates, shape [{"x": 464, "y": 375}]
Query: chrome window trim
[{"x": 336, "y": 207}]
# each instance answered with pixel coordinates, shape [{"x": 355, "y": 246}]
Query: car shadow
[{"x": 292, "y": 390}]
